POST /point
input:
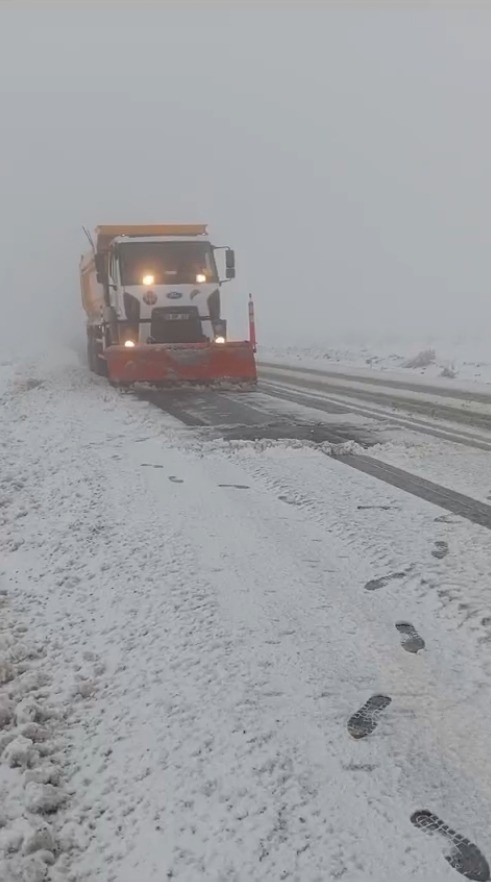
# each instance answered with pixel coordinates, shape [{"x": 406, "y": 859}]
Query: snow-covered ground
[
  {"x": 457, "y": 360},
  {"x": 465, "y": 470},
  {"x": 186, "y": 628}
]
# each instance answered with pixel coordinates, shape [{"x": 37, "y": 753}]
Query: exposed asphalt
[
  {"x": 244, "y": 417},
  {"x": 364, "y": 389}
]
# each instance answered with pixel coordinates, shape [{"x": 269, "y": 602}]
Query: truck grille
[{"x": 172, "y": 324}]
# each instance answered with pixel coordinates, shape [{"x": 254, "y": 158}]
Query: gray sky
[{"x": 343, "y": 149}]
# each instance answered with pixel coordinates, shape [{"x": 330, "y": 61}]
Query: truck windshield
[{"x": 167, "y": 263}]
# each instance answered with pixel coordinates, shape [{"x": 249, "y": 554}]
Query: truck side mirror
[
  {"x": 100, "y": 268},
  {"x": 230, "y": 263}
]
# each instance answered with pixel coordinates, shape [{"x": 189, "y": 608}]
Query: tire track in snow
[
  {"x": 377, "y": 378},
  {"x": 388, "y": 417},
  {"x": 293, "y": 387},
  {"x": 454, "y": 502}
]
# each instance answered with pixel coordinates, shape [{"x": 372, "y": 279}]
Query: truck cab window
[
  {"x": 169, "y": 263},
  {"x": 113, "y": 269}
]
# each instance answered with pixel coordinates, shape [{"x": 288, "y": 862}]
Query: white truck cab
[
  {"x": 162, "y": 289},
  {"x": 151, "y": 294}
]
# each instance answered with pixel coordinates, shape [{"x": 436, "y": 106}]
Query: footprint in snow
[
  {"x": 379, "y": 507},
  {"x": 235, "y": 486},
  {"x": 175, "y": 480},
  {"x": 411, "y": 640},
  {"x": 375, "y": 584},
  {"x": 464, "y": 856},
  {"x": 440, "y": 550},
  {"x": 31, "y": 383},
  {"x": 359, "y": 767},
  {"x": 365, "y": 720}
]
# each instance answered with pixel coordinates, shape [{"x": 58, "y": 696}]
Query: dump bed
[{"x": 106, "y": 234}]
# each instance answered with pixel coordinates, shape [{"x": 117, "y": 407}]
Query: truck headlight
[
  {"x": 129, "y": 344},
  {"x": 200, "y": 279},
  {"x": 219, "y": 339},
  {"x": 148, "y": 279}
]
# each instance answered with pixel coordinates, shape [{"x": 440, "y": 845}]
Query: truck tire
[
  {"x": 90, "y": 352},
  {"x": 94, "y": 351},
  {"x": 101, "y": 365}
]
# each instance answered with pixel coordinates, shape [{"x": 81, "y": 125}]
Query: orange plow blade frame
[{"x": 175, "y": 364}]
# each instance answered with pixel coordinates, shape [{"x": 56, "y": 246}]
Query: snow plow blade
[{"x": 178, "y": 364}]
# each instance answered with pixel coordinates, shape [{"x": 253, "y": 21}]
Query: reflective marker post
[{"x": 252, "y": 324}]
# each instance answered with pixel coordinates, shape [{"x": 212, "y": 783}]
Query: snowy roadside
[
  {"x": 32, "y": 702},
  {"x": 463, "y": 469},
  {"x": 377, "y": 397},
  {"x": 439, "y": 360},
  {"x": 199, "y": 629}
]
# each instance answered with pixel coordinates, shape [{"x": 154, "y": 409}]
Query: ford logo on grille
[{"x": 174, "y": 295}]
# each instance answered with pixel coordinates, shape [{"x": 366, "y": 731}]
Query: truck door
[{"x": 113, "y": 292}]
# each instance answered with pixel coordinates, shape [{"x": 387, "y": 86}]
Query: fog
[{"x": 344, "y": 150}]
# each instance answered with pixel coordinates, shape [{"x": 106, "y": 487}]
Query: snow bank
[
  {"x": 464, "y": 360},
  {"x": 31, "y": 765}
]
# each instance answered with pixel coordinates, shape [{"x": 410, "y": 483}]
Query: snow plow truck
[{"x": 152, "y": 299}]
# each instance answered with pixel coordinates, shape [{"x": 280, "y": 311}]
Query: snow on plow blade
[{"x": 174, "y": 364}]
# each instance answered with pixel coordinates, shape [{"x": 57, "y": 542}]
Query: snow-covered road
[
  {"x": 469, "y": 406},
  {"x": 188, "y": 627}
]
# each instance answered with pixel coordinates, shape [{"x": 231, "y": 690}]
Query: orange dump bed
[
  {"x": 168, "y": 364},
  {"x": 106, "y": 233}
]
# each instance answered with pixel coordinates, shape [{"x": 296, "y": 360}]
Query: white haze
[{"x": 343, "y": 149}]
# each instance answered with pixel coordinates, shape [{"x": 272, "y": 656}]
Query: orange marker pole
[{"x": 252, "y": 324}]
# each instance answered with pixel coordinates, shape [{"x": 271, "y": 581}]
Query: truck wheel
[
  {"x": 100, "y": 363},
  {"x": 91, "y": 353},
  {"x": 94, "y": 350}
]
